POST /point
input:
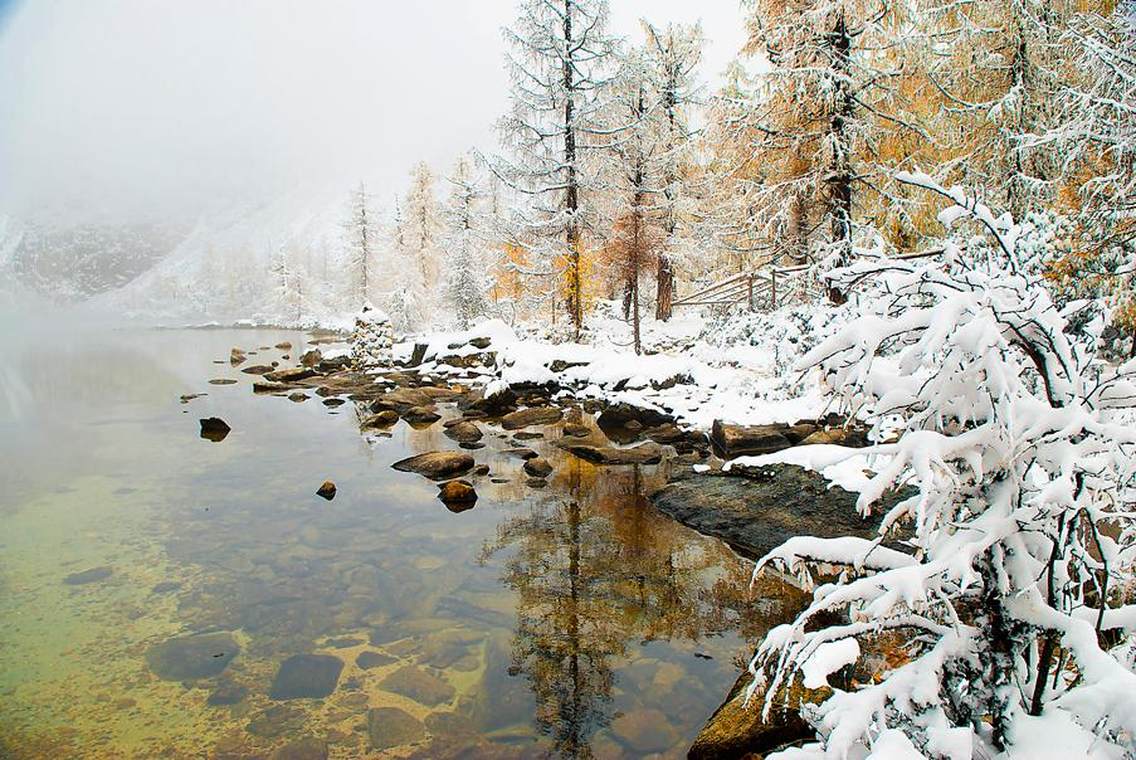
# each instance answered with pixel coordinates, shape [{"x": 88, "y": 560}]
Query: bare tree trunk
[
  {"x": 571, "y": 193},
  {"x": 841, "y": 180}
]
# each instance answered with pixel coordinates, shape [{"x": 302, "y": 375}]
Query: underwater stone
[
  {"x": 89, "y": 576},
  {"x": 187, "y": 658},
  {"x": 417, "y": 684},
  {"x": 391, "y": 727},
  {"x": 306, "y": 676},
  {"x": 368, "y": 660}
]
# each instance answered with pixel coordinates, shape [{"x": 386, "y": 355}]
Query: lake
[{"x": 165, "y": 595}]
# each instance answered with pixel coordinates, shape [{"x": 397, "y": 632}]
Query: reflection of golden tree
[{"x": 595, "y": 568}]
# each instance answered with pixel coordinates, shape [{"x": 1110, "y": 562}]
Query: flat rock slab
[
  {"x": 187, "y": 658},
  {"x": 534, "y": 415},
  {"x": 647, "y": 453},
  {"x": 436, "y": 465},
  {"x": 735, "y": 440},
  {"x": 755, "y": 516},
  {"x": 306, "y": 676},
  {"x": 391, "y": 727}
]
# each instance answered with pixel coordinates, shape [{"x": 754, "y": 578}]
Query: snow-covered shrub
[{"x": 1014, "y": 604}]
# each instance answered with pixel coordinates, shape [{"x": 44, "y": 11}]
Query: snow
[
  {"x": 827, "y": 659},
  {"x": 848, "y": 468}
]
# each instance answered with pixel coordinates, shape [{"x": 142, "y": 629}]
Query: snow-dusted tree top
[{"x": 1012, "y": 609}]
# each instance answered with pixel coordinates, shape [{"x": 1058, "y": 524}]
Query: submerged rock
[
  {"x": 306, "y": 676},
  {"x": 306, "y": 748},
  {"x": 645, "y": 731},
  {"x": 417, "y": 684},
  {"x": 327, "y": 490},
  {"x": 646, "y": 453},
  {"x": 226, "y": 694},
  {"x": 222, "y": 381},
  {"x": 277, "y": 720},
  {"x": 436, "y": 465},
  {"x": 368, "y": 660},
  {"x": 89, "y": 576},
  {"x": 214, "y": 429},
  {"x": 533, "y": 415},
  {"x": 389, "y": 727},
  {"x": 258, "y": 369},
  {"x": 187, "y": 658}
]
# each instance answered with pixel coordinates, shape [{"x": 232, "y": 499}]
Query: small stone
[
  {"x": 464, "y": 432},
  {"x": 520, "y": 452},
  {"x": 645, "y": 731},
  {"x": 258, "y": 369},
  {"x": 326, "y": 490},
  {"x": 214, "y": 429},
  {"x": 236, "y": 356},
  {"x": 187, "y": 397},
  {"x": 421, "y": 415},
  {"x": 284, "y": 345},
  {"x": 536, "y": 483},
  {"x": 436, "y": 465},
  {"x": 383, "y": 419},
  {"x": 298, "y": 397},
  {"x": 457, "y": 495},
  {"x": 311, "y": 358},
  {"x": 222, "y": 381},
  {"x": 333, "y": 402}
]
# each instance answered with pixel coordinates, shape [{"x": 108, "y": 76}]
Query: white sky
[{"x": 146, "y": 105}]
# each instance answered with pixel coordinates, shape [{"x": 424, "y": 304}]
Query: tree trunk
[
  {"x": 571, "y": 191},
  {"x": 841, "y": 181}
]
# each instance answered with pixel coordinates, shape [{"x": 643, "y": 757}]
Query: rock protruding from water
[
  {"x": 188, "y": 658},
  {"x": 457, "y": 495},
  {"x": 237, "y": 356},
  {"x": 214, "y": 429},
  {"x": 646, "y": 453},
  {"x": 306, "y": 676},
  {"x": 533, "y": 415},
  {"x": 464, "y": 432},
  {"x": 327, "y": 490},
  {"x": 538, "y": 467},
  {"x": 436, "y": 465},
  {"x": 736, "y": 730},
  {"x": 390, "y": 727},
  {"x": 758, "y": 513}
]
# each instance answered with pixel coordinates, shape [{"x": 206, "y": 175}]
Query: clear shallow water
[{"x": 153, "y": 584}]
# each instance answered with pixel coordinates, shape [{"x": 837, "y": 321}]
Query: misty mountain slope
[{"x": 247, "y": 263}]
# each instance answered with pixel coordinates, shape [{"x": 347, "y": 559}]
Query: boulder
[
  {"x": 464, "y": 432},
  {"x": 436, "y": 465},
  {"x": 421, "y": 415},
  {"x": 735, "y": 440},
  {"x": 383, "y": 419},
  {"x": 290, "y": 374},
  {"x": 538, "y": 467},
  {"x": 756, "y": 514},
  {"x": 326, "y": 490},
  {"x": 536, "y": 415},
  {"x": 311, "y": 357},
  {"x": 646, "y": 453},
  {"x": 619, "y": 415},
  {"x": 497, "y": 404},
  {"x": 736, "y": 730}
]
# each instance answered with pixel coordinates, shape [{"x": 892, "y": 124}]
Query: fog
[{"x": 154, "y": 108}]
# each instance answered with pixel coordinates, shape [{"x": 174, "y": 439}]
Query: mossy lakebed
[{"x": 569, "y": 619}]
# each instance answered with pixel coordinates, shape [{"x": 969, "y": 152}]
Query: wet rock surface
[
  {"x": 536, "y": 415},
  {"x": 306, "y": 676},
  {"x": 756, "y": 514},
  {"x": 457, "y": 495},
  {"x": 646, "y": 453},
  {"x": 188, "y": 658},
  {"x": 214, "y": 429},
  {"x": 417, "y": 684},
  {"x": 736, "y": 730},
  {"x": 736, "y": 440},
  {"x": 436, "y": 465}
]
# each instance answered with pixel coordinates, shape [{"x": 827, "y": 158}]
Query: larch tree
[
  {"x": 405, "y": 302},
  {"x": 287, "y": 285},
  {"x": 361, "y": 242},
  {"x": 467, "y": 280},
  {"x": 423, "y": 226},
  {"x": 815, "y": 117},
  {"x": 559, "y": 61},
  {"x": 672, "y": 56}
]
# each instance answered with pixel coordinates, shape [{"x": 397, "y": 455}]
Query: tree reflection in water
[{"x": 595, "y": 569}]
